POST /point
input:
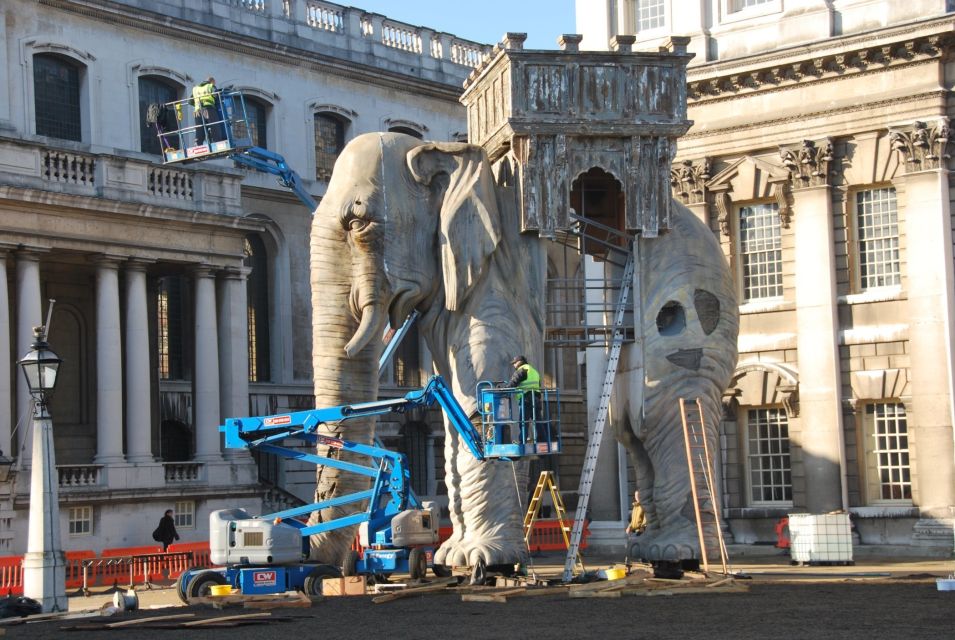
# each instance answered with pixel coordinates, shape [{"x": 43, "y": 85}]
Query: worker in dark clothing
[
  {"x": 166, "y": 531},
  {"x": 527, "y": 379},
  {"x": 206, "y": 111}
]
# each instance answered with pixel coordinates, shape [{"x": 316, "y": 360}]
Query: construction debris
[{"x": 265, "y": 601}]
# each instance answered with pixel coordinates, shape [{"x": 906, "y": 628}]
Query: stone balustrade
[
  {"x": 343, "y": 31},
  {"x": 36, "y": 166},
  {"x": 79, "y": 475}
]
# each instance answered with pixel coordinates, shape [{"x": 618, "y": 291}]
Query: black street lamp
[{"x": 40, "y": 367}]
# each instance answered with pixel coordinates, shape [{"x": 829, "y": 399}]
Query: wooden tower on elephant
[{"x": 561, "y": 113}]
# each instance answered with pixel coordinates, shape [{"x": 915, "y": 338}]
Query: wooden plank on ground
[
  {"x": 497, "y": 596},
  {"x": 221, "y": 619},
  {"x": 437, "y": 585}
]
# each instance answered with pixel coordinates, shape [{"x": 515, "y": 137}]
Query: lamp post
[{"x": 44, "y": 565}]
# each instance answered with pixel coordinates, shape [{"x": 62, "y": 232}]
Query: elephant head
[
  {"x": 404, "y": 225},
  {"x": 690, "y": 325}
]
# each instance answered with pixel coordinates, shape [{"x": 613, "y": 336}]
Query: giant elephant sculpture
[
  {"x": 690, "y": 322},
  {"x": 408, "y": 225}
]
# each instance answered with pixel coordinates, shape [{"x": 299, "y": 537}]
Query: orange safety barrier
[
  {"x": 782, "y": 533},
  {"x": 546, "y": 536},
  {"x": 178, "y": 564},
  {"x": 74, "y": 568},
  {"x": 11, "y": 575},
  {"x": 142, "y": 571}
]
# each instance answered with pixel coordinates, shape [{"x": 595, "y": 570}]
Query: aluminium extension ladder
[
  {"x": 600, "y": 421},
  {"x": 701, "y": 481}
]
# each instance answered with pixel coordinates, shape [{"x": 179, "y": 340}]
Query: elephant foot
[
  {"x": 473, "y": 551},
  {"x": 666, "y": 545}
]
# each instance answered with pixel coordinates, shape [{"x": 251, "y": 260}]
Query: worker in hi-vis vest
[
  {"x": 528, "y": 380},
  {"x": 206, "y": 111}
]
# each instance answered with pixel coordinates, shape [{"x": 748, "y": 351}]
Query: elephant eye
[
  {"x": 357, "y": 224},
  {"x": 707, "y": 309},
  {"x": 671, "y": 320}
]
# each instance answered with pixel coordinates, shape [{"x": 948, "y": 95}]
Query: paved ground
[{"x": 878, "y": 597}]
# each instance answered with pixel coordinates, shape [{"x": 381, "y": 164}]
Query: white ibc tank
[{"x": 237, "y": 537}]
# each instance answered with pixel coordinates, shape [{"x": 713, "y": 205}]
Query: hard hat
[{"x": 519, "y": 360}]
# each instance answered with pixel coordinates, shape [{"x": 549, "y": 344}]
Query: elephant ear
[{"x": 470, "y": 221}]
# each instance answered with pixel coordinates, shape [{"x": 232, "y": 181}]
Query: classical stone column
[
  {"x": 109, "y": 364},
  {"x": 6, "y": 397},
  {"x": 29, "y": 315},
  {"x": 820, "y": 408},
  {"x": 233, "y": 347},
  {"x": 928, "y": 256},
  {"x": 138, "y": 396},
  {"x": 206, "y": 369}
]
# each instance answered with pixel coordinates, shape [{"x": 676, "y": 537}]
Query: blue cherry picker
[
  {"x": 268, "y": 554},
  {"x": 226, "y": 134}
]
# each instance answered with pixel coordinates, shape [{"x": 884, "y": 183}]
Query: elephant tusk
[{"x": 368, "y": 328}]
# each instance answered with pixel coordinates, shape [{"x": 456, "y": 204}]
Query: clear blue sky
[{"x": 483, "y": 21}]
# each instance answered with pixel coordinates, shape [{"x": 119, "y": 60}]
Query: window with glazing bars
[
  {"x": 761, "y": 251},
  {"x": 185, "y": 514},
  {"x": 56, "y": 95},
  {"x": 877, "y": 223},
  {"x": 770, "y": 474},
  {"x": 329, "y": 142},
  {"x": 256, "y": 113},
  {"x": 889, "y": 454},
  {"x": 650, "y": 14},
  {"x": 169, "y": 327},
  {"x": 739, "y": 5},
  {"x": 80, "y": 521}
]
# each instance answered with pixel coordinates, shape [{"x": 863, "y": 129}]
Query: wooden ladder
[
  {"x": 701, "y": 482},
  {"x": 547, "y": 482}
]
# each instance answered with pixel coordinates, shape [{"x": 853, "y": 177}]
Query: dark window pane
[
  {"x": 329, "y": 141},
  {"x": 56, "y": 92},
  {"x": 257, "y": 298},
  {"x": 256, "y": 113},
  {"x": 152, "y": 90}
]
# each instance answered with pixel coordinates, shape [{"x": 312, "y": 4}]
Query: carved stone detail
[
  {"x": 724, "y": 206},
  {"x": 922, "y": 146},
  {"x": 689, "y": 180},
  {"x": 823, "y": 66},
  {"x": 808, "y": 164},
  {"x": 782, "y": 190}
]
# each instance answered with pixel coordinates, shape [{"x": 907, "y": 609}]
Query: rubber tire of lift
[
  {"x": 200, "y": 585},
  {"x": 313, "y": 581},
  {"x": 417, "y": 564},
  {"x": 350, "y": 563},
  {"x": 441, "y": 570},
  {"x": 181, "y": 584}
]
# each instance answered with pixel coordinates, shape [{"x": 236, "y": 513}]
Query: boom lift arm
[{"x": 271, "y": 162}]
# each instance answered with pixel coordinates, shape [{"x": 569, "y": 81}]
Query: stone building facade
[
  {"x": 820, "y": 157},
  {"x": 182, "y": 290}
]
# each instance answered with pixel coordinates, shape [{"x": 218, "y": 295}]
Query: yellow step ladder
[
  {"x": 701, "y": 483},
  {"x": 547, "y": 482}
]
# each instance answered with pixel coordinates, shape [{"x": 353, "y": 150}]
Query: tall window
[
  {"x": 169, "y": 326},
  {"x": 767, "y": 440},
  {"x": 877, "y": 222},
  {"x": 329, "y": 142},
  {"x": 257, "y": 298},
  {"x": 256, "y": 112},
  {"x": 650, "y": 15},
  {"x": 887, "y": 452},
  {"x": 761, "y": 251},
  {"x": 56, "y": 91},
  {"x": 185, "y": 514},
  {"x": 152, "y": 90},
  {"x": 414, "y": 444}
]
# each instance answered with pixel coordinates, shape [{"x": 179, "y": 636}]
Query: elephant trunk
[{"x": 345, "y": 371}]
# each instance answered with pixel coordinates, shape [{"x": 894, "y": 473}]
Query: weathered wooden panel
[
  {"x": 599, "y": 91},
  {"x": 546, "y": 88}
]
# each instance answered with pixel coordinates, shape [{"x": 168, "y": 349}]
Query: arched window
[
  {"x": 56, "y": 94},
  {"x": 407, "y": 131},
  {"x": 329, "y": 142},
  {"x": 257, "y": 112},
  {"x": 257, "y": 298},
  {"x": 169, "y": 324},
  {"x": 152, "y": 89}
]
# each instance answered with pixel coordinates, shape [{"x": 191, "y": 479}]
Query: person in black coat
[{"x": 166, "y": 531}]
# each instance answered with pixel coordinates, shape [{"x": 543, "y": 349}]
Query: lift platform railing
[
  {"x": 186, "y": 134},
  {"x": 519, "y": 422}
]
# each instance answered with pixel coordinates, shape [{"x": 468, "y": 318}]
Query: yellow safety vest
[
  {"x": 203, "y": 95},
  {"x": 533, "y": 379}
]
